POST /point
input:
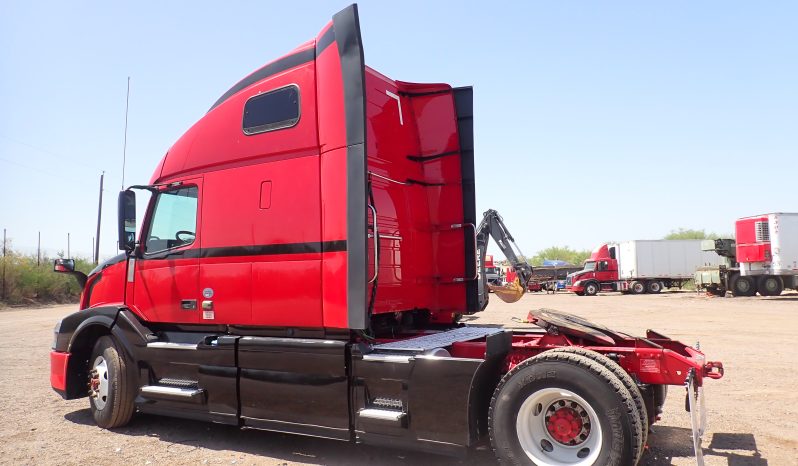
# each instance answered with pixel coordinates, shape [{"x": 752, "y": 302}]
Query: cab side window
[
  {"x": 174, "y": 220},
  {"x": 272, "y": 110},
  {"x": 602, "y": 266}
]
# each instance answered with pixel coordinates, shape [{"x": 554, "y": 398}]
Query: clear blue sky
[{"x": 594, "y": 120}]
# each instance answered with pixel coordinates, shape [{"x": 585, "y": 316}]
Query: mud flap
[{"x": 698, "y": 415}]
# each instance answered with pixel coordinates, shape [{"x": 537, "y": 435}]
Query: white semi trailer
[{"x": 641, "y": 266}]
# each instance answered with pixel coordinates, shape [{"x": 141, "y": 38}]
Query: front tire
[
  {"x": 591, "y": 289},
  {"x": 111, "y": 387},
  {"x": 563, "y": 409}
]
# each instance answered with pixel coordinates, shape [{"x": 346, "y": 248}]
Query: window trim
[
  {"x": 273, "y": 126},
  {"x": 152, "y": 217}
]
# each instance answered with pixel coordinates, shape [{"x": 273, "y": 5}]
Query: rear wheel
[
  {"x": 563, "y": 409},
  {"x": 591, "y": 289},
  {"x": 654, "y": 287},
  {"x": 625, "y": 379},
  {"x": 770, "y": 285},
  {"x": 637, "y": 287},
  {"x": 111, "y": 388},
  {"x": 743, "y": 286}
]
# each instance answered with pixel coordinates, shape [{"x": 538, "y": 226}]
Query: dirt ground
[{"x": 752, "y": 411}]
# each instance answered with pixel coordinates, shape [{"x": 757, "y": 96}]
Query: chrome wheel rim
[
  {"x": 557, "y": 427},
  {"x": 98, "y": 383}
]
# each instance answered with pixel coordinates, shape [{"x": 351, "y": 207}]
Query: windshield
[
  {"x": 589, "y": 266},
  {"x": 491, "y": 270}
]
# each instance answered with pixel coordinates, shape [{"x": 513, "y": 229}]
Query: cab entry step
[{"x": 437, "y": 340}]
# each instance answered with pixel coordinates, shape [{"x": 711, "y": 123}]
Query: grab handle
[{"x": 376, "y": 243}]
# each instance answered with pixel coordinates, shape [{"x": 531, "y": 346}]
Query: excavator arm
[{"x": 492, "y": 226}]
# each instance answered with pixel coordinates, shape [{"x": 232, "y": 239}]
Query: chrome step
[
  {"x": 376, "y": 414},
  {"x": 163, "y": 392},
  {"x": 171, "y": 345}
]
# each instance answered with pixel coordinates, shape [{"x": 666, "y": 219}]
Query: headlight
[{"x": 56, "y": 331}]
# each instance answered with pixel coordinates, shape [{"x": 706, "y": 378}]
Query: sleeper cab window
[
  {"x": 272, "y": 110},
  {"x": 174, "y": 220}
]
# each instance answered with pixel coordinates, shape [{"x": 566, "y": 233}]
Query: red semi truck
[
  {"x": 361, "y": 189},
  {"x": 640, "y": 266}
]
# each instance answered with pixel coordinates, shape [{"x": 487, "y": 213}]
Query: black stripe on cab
[{"x": 255, "y": 250}]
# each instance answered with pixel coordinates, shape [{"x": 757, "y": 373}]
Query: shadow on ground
[
  {"x": 667, "y": 443},
  {"x": 186, "y": 436}
]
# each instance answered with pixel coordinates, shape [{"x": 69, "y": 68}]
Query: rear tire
[
  {"x": 743, "y": 286},
  {"x": 563, "y": 409},
  {"x": 637, "y": 287},
  {"x": 654, "y": 287},
  {"x": 770, "y": 285},
  {"x": 111, "y": 386},
  {"x": 591, "y": 289},
  {"x": 625, "y": 379}
]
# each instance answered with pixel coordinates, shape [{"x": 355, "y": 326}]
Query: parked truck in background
[
  {"x": 763, "y": 258},
  {"x": 493, "y": 273},
  {"x": 364, "y": 343},
  {"x": 640, "y": 266}
]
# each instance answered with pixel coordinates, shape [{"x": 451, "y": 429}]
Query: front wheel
[
  {"x": 591, "y": 289},
  {"x": 111, "y": 387},
  {"x": 564, "y": 409}
]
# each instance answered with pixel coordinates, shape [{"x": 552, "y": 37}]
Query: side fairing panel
[{"x": 415, "y": 168}]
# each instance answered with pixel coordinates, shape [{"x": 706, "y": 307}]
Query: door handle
[{"x": 188, "y": 304}]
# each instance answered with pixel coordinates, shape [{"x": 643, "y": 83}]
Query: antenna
[{"x": 124, "y": 147}]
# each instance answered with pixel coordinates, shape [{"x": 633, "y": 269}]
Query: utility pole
[
  {"x": 39, "y": 251},
  {"x": 4, "y": 264},
  {"x": 99, "y": 219}
]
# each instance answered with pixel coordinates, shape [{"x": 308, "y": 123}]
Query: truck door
[
  {"x": 603, "y": 272},
  {"x": 166, "y": 274}
]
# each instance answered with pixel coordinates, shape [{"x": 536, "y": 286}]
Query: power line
[{"x": 55, "y": 155}]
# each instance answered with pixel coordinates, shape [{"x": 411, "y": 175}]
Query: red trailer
[{"x": 361, "y": 189}]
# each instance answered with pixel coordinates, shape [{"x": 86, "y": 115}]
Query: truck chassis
[{"x": 535, "y": 392}]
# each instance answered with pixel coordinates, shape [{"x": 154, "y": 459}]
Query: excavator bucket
[{"x": 509, "y": 293}]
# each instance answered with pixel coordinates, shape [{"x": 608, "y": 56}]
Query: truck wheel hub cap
[
  {"x": 98, "y": 383},
  {"x": 567, "y": 423},
  {"x": 557, "y": 427}
]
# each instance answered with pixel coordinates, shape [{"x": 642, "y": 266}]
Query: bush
[{"x": 27, "y": 283}]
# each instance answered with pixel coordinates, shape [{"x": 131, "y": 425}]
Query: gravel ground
[{"x": 752, "y": 411}]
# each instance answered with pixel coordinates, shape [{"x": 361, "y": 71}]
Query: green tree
[
  {"x": 563, "y": 253},
  {"x": 685, "y": 233}
]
